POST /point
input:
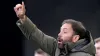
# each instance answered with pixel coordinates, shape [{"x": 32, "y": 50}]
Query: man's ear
[{"x": 75, "y": 38}]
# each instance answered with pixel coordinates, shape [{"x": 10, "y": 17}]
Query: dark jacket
[{"x": 83, "y": 47}]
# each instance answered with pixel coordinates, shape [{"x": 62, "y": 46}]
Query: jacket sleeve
[{"x": 30, "y": 31}]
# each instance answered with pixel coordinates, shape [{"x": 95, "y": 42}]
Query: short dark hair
[
  {"x": 97, "y": 40},
  {"x": 77, "y": 26}
]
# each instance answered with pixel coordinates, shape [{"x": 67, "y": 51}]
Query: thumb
[{"x": 23, "y": 4}]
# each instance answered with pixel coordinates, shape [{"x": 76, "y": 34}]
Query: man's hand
[{"x": 20, "y": 11}]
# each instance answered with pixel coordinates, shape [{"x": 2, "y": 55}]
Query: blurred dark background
[{"x": 48, "y": 16}]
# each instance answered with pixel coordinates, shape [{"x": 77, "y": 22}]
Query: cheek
[
  {"x": 99, "y": 51},
  {"x": 66, "y": 37}
]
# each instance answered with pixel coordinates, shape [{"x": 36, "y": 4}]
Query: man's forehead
[
  {"x": 66, "y": 26},
  {"x": 97, "y": 44}
]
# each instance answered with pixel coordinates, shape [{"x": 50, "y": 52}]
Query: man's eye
[
  {"x": 65, "y": 32},
  {"x": 98, "y": 48}
]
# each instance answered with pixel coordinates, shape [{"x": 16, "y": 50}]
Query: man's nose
[{"x": 59, "y": 35}]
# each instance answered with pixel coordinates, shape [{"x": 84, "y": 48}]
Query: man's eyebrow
[
  {"x": 98, "y": 47},
  {"x": 63, "y": 28}
]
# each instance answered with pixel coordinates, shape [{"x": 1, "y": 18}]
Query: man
[
  {"x": 40, "y": 52},
  {"x": 73, "y": 39},
  {"x": 97, "y": 46}
]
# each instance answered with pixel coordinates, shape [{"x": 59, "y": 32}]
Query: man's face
[
  {"x": 66, "y": 34},
  {"x": 97, "y": 45}
]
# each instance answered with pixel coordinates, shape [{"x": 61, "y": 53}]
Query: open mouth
[
  {"x": 60, "y": 40},
  {"x": 60, "y": 43}
]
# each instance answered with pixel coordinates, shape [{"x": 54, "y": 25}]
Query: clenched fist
[{"x": 20, "y": 10}]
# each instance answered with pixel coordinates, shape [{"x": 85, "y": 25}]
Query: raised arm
[{"x": 29, "y": 29}]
